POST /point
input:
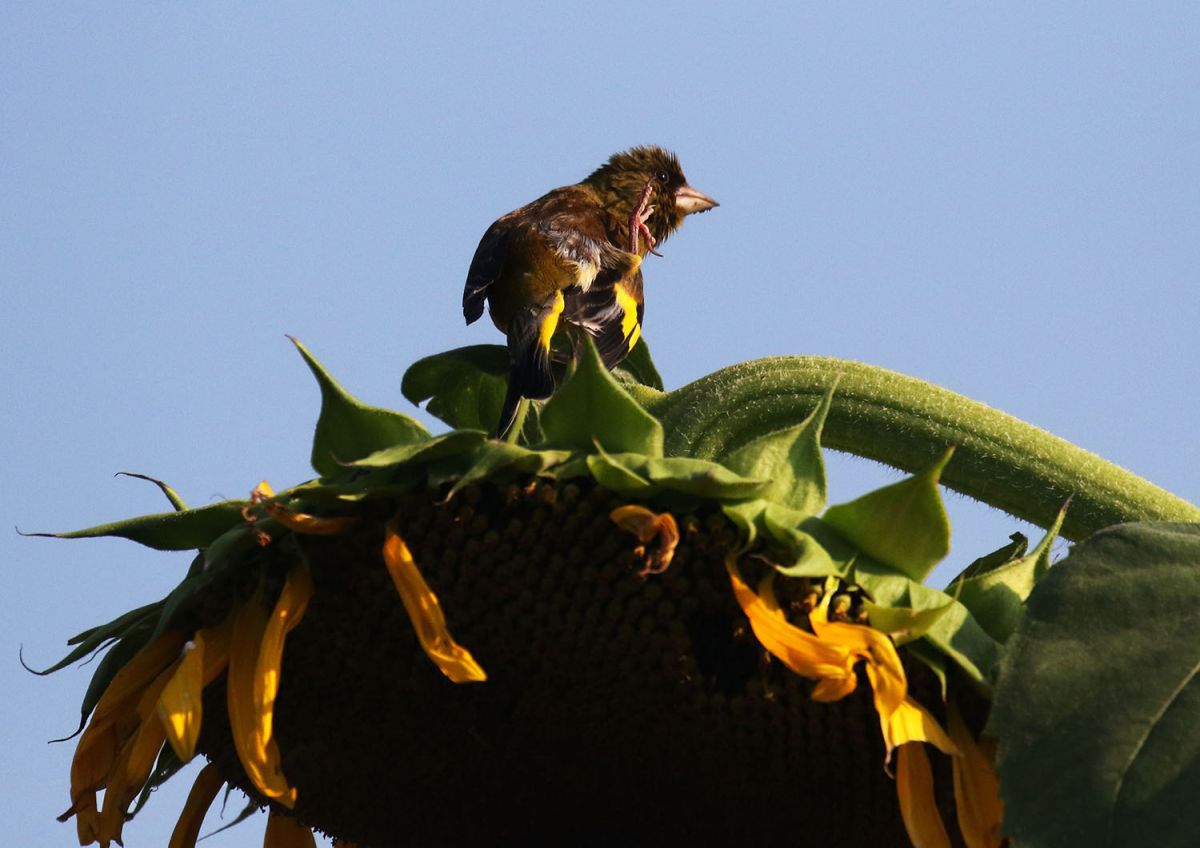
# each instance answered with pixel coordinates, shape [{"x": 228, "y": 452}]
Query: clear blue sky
[{"x": 1004, "y": 200}]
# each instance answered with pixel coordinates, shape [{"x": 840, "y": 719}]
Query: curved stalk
[{"x": 906, "y": 423}]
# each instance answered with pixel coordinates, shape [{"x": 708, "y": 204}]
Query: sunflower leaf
[
  {"x": 493, "y": 458},
  {"x": 449, "y": 444},
  {"x": 465, "y": 387},
  {"x": 903, "y": 525},
  {"x": 791, "y": 460},
  {"x": 94, "y": 638},
  {"x": 166, "y": 767},
  {"x": 943, "y": 622},
  {"x": 167, "y": 531},
  {"x": 118, "y": 655},
  {"x": 348, "y": 429},
  {"x": 592, "y": 408},
  {"x": 1017, "y": 547},
  {"x": 640, "y": 367},
  {"x": 997, "y": 597},
  {"x": 1097, "y": 697},
  {"x": 170, "y": 493}
]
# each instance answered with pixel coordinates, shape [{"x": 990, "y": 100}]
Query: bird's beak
[{"x": 688, "y": 200}]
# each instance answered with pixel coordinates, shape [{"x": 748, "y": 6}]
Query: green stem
[{"x": 907, "y": 423}]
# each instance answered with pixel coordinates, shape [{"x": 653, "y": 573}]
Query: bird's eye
[{"x": 662, "y": 176}]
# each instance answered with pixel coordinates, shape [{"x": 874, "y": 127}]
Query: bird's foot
[{"x": 638, "y": 219}]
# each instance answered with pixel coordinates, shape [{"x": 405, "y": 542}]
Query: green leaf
[
  {"x": 791, "y": 460},
  {"x": 1003, "y": 555},
  {"x": 118, "y": 655},
  {"x": 700, "y": 478},
  {"x": 449, "y": 444},
  {"x": 591, "y": 407},
  {"x": 613, "y": 473},
  {"x": 635, "y": 475},
  {"x": 494, "y": 458},
  {"x": 167, "y": 531},
  {"x": 170, "y": 493},
  {"x": 640, "y": 366},
  {"x": 953, "y": 630},
  {"x": 1097, "y": 704},
  {"x": 905, "y": 624},
  {"x": 349, "y": 429},
  {"x": 997, "y": 597},
  {"x": 465, "y": 387},
  {"x": 94, "y": 638},
  {"x": 903, "y": 525},
  {"x": 166, "y": 767}
]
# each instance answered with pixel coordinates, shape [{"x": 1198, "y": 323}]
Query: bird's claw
[{"x": 637, "y": 222}]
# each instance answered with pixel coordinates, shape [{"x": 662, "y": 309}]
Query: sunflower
[{"x": 678, "y": 643}]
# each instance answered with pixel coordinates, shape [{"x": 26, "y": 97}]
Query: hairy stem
[{"x": 907, "y": 423}]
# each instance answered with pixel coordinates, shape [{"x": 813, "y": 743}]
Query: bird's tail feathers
[{"x": 531, "y": 375}]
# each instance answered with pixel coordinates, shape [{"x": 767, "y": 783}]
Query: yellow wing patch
[
  {"x": 550, "y": 322},
  {"x": 630, "y": 328}
]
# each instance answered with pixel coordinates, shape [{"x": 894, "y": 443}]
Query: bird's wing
[
  {"x": 611, "y": 312},
  {"x": 561, "y": 234},
  {"x": 486, "y": 266}
]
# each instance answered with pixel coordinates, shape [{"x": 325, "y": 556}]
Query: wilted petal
[
  {"x": 204, "y": 790},
  {"x": 426, "y": 614},
  {"x": 257, "y": 750},
  {"x": 648, "y": 526},
  {"x": 301, "y": 522},
  {"x": 115, "y": 717},
  {"x": 285, "y": 832},
  {"x": 798, "y": 649},
  {"x": 976, "y": 788},
  {"x": 180, "y": 705},
  {"x": 914, "y": 788},
  {"x": 289, "y": 611}
]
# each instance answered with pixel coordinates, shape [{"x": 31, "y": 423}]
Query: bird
[{"x": 573, "y": 257}]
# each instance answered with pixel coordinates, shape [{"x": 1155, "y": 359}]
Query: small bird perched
[{"x": 574, "y": 255}]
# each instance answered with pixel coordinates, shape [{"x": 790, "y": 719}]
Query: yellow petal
[
  {"x": 204, "y": 790},
  {"x": 637, "y": 520},
  {"x": 289, "y": 611},
  {"x": 426, "y": 614},
  {"x": 976, "y": 787},
  {"x": 798, "y": 649},
  {"x": 216, "y": 648},
  {"x": 180, "y": 706},
  {"x": 301, "y": 522},
  {"x": 258, "y": 752},
  {"x": 647, "y": 526},
  {"x": 114, "y": 716},
  {"x": 285, "y": 832},
  {"x": 87, "y": 819},
  {"x": 889, "y": 681},
  {"x": 914, "y": 788}
]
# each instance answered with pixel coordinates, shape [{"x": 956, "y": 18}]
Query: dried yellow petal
[
  {"x": 286, "y": 832},
  {"x": 180, "y": 706},
  {"x": 426, "y": 615},
  {"x": 914, "y": 788},
  {"x": 976, "y": 787},
  {"x": 649, "y": 526},
  {"x": 289, "y": 611},
  {"x": 301, "y": 522},
  {"x": 204, "y": 790},
  {"x": 257, "y": 750},
  {"x": 798, "y": 649}
]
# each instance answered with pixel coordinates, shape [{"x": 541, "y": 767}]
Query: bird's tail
[{"x": 529, "y": 335}]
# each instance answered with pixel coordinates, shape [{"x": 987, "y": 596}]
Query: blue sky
[{"x": 1001, "y": 200}]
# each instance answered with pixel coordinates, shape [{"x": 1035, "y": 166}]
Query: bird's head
[{"x": 621, "y": 180}]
